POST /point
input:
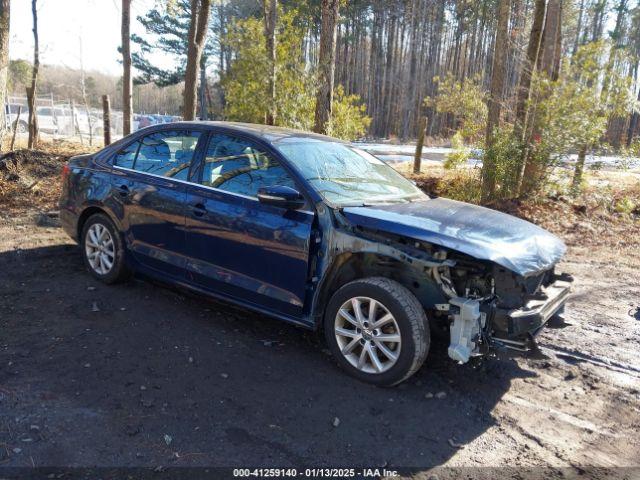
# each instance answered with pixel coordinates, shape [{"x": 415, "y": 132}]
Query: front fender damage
[{"x": 484, "y": 305}]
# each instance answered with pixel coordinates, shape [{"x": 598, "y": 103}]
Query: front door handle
[
  {"x": 199, "y": 210},
  {"x": 123, "y": 190}
]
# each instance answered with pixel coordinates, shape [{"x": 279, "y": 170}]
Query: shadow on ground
[{"x": 137, "y": 374}]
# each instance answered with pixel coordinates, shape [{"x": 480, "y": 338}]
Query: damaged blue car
[{"x": 316, "y": 232}]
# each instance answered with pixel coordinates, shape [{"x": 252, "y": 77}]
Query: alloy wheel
[
  {"x": 100, "y": 249},
  {"x": 368, "y": 335}
]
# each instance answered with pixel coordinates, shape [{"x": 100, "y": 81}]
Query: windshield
[{"x": 345, "y": 175}]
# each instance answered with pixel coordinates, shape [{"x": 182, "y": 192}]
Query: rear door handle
[
  {"x": 199, "y": 210},
  {"x": 123, "y": 190}
]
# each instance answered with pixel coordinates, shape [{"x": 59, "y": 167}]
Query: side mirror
[{"x": 281, "y": 196}]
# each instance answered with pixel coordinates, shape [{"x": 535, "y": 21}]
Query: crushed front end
[{"x": 492, "y": 307}]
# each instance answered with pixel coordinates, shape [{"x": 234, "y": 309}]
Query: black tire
[
  {"x": 409, "y": 317},
  {"x": 119, "y": 270}
]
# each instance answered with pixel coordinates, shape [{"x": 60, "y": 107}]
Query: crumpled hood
[{"x": 486, "y": 234}]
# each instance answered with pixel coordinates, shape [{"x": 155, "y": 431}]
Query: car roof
[{"x": 269, "y": 133}]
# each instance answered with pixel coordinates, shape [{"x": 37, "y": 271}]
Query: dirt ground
[{"x": 141, "y": 375}]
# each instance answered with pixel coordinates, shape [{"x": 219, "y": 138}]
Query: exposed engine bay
[{"x": 490, "y": 306}]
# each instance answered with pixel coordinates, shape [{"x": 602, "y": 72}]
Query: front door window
[{"x": 239, "y": 166}]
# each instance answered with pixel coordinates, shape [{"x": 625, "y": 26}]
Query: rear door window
[{"x": 166, "y": 154}]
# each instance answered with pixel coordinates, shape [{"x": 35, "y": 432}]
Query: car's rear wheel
[
  {"x": 103, "y": 250},
  {"x": 377, "y": 330}
]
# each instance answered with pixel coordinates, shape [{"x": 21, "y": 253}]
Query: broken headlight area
[{"x": 491, "y": 307}]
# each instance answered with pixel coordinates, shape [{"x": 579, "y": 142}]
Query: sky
[{"x": 61, "y": 25}]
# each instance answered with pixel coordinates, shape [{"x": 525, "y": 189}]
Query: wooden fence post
[
  {"x": 106, "y": 119},
  {"x": 417, "y": 159},
  {"x": 15, "y": 127},
  {"x": 76, "y": 122}
]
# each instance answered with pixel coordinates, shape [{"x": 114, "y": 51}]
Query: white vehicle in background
[
  {"x": 11, "y": 115},
  {"x": 52, "y": 120},
  {"x": 48, "y": 121}
]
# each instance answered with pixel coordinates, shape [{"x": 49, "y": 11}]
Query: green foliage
[
  {"x": 19, "y": 74},
  {"x": 465, "y": 100},
  {"x": 460, "y": 154},
  {"x": 568, "y": 114},
  {"x": 167, "y": 27},
  {"x": 349, "y": 120},
  {"x": 504, "y": 152},
  {"x": 629, "y": 157},
  {"x": 625, "y": 206},
  {"x": 245, "y": 85},
  {"x": 573, "y": 112},
  {"x": 462, "y": 184}
]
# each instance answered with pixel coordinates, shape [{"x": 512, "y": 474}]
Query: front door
[
  {"x": 238, "y": 246},
  {"x": 149, "y": 182}
]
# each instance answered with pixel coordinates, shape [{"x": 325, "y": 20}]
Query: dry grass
[{"x": 30, "y": 179}]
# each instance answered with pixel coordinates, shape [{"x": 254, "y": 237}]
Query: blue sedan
[{"x": 316, "y": 232}]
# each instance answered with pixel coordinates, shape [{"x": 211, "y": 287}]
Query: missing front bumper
[
  {"x": 517, "y": 329},
  {"x": 513, "y": 329}
]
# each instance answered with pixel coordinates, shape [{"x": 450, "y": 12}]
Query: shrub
[
  {"x": 349, "y": 120},
  {"x": 465, "y": 100},
  {"x": 460, "y": 154}
]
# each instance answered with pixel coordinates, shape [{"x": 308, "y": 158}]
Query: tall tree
[
  {"x": 196, "y": 39},
  {"x": 4, "y": 54},
  {"x": 551, "y": 42},
  {"x": 327, "y": 64},
  {"x": 270, "y": 8},
  {"x": 498, "y": 73},
  {"x": 524, "y": 88},
  {"x": 127, "y": 83},
  {"x": 32, "y": 90},
  {"x": 549, "y": 63}
]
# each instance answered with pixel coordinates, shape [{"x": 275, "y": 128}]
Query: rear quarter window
[{"x": 126, "y": 156}]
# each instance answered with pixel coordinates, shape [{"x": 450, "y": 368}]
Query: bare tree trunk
[
  {"x": 197, "y": 36},
  {"x": 270, "y": 8},
  {"x": 202, "y": 91},
  {"x": 633, "y": 124},
  {"x": 127, "y": 83},
  {"x": 576, "y": 41},
  {"x": 499, "y": 71},
  {"x": 327, "y": 63},
  {"x": 32, "y": 90},
  {"x": 549, "y": 63},
  {"x": 409, "y": 112},
  {"x": 549, "y": 58},
  {"x": 15, "y": 128},
  {"x": 417, "y": 157},
  {"x": 524, "y": 89},
  {"x": 4, "y": 58},
  {"x": 106, "y": 119},
  {"x": 388, "y": 73},
  {"x": 579, "y": 169}
]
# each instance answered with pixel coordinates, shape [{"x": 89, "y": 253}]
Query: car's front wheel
[
  {"x": 103, "y": 250},
  {"x": 377, "y": 330}
]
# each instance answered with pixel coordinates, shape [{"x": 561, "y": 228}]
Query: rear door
[
  {"x": 149, "y": 184},
  {"x": 238, "y": 246}
]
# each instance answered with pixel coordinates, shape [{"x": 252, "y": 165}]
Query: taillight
[{"x": 66, "y": 170}]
